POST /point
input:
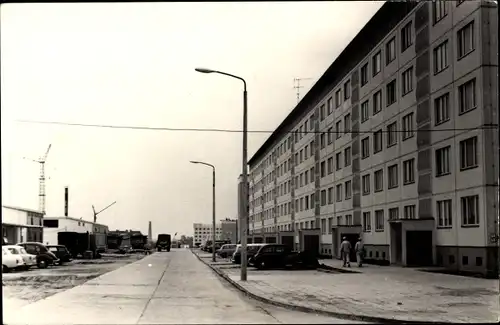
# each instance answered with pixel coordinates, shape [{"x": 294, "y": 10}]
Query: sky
[{"x": 133, "y": 64}]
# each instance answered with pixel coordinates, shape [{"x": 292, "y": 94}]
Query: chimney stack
[
  {"x": 150, "y": 233},
  {"x": 66, "y": 195}
]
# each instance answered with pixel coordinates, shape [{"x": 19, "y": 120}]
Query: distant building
[
  {"x": 203, "y": 232},
  {"x": 54, "y": 225},
  {"x": 229, "y": 230},
  {"x": 21, "y": 225}
]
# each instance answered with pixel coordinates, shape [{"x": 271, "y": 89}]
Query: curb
[{"x": 363, "y": 318}]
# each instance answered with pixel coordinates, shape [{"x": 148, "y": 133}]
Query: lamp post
[
  {"x": 213, "y": 204},
  {"x": 244, "y": 209}
]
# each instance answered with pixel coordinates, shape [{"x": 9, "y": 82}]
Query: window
[
  {"x": 348, "y": 189},
  {"x": 330, "y": 105},
  {"x": 364, "y": 74},
  {"x": 322, "y": 141},
  {"x": 367, "y": 222},
  {"x": 348, "y": 220},
  {"x": 311, "y": 126},
  {"x": 392, "y": 136},
  {"x": 439, "y": 10},
  {"x": 322, "y": 113},
  {"x": 323, "y": 226},
  {"x": 407, "y": 126},
  {"x": 365, "y": 180},
  {"x": 339, "y": 220},
  {"x": 330, "y": 165},
  {"x": 365, "y": 148},
  {"x": 338, "y": 98},
  {"x": 379, "y": 220},
  {"x": 378, "y": 177},
  {"x": 306, "y": 203},
  {"x": 347, "y": 156},
  {"x": 443, "y": 161},
  {"x": 407, "y": 81},
  {"x": 390, "y": 51},
  {"x": 347, "y": 90},
  {"x": 323, "y": 197},
  {"x": 391, "y": 93},
  {"x": 393, "y": 176},
  {"x": 364, "y": 112},
  {"x": 377, "y": 141},
  {"x": 330, "y": 135},
  {"x": 465, "y": 37},
  {"x": 338, "y": 130},
  {"x": 330, "y": 225},
  {"x": 467, "y": 96},
  {"x": 338, "y": 191},
  {"x": 468, "y": 153},
  {"x": 440, "y": 55},
  {"x": 442, "y": 109},
  {"x": 330, "y": 195},
  {"x": 444, "y": 213},
  {"x": 338, "y": 160},
  {"x": 409, "y": 171},
  {"x": 347, "y": 123},
  {"x": 470, "y": 210},
  {"x": 323, "y": 169},
  {"x": 377, "y": 102},
  {"x": 394, "y": 214},
  {"x": 312, "y": 174},
  {"x": 377, "y": 63},
  {"x": 406, "y": 37},
  {"x": 409, "y": 212}
]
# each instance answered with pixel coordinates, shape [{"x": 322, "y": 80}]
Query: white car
[
  {"x": 28, "y": 259},
  {"x": 11, "y": 261}
]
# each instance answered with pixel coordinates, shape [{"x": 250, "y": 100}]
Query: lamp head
[{"x": 203, "y": 70}]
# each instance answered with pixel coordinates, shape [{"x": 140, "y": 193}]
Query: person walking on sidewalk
[
  {"x": 345, "y": 251},
  {"x": 360, "y": 252}
]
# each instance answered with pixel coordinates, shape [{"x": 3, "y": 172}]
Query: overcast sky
[{"x": 133, "y": 64}]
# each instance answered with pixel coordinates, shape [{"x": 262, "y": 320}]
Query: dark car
[
  {"x": 44, "y": 257},
  {"x": 281, "y": 256},
  {"x": 61, "y": 252},
  {"x": 252, "y": 249},
  {"x": 226, "y": 250}
]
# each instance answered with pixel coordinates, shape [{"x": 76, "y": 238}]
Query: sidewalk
[{"x": 378, "y": 291}]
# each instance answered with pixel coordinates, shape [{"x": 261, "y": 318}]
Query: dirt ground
[{"x": 22, "y": 288}]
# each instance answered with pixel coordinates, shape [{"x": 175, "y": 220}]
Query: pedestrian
[
  {"x": 360, "y": 252},
  {"x": 345, "y": 251}
]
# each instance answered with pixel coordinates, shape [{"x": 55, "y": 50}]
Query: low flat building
[
  {"x": 21, "y": 224},
  {"x": 54, "y": 225}
]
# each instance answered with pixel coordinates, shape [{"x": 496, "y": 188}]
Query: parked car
[
  {"x": 226, "y": 250},
  {"x": 251, "y": 251},
  {"x": 281, "y": 256},
  {"x": 61, "y": 252},
  {"x": 44, "y": 257},
  {"x": 11, "y": 261},
  {"x": 28, "y": 259}
]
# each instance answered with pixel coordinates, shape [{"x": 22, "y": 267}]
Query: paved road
[{"x": 164, "y": 288}]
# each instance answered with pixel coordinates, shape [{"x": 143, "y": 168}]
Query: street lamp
[
  {"x": 244, "y": 210},
  {"x": 213, "y": 204}
]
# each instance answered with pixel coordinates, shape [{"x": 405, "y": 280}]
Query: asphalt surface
[{"x": 163, "y": 288}]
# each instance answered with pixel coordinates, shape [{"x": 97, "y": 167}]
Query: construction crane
[
  {"x": 96, "y": 213},
  {"x": 298, "y": 86},
  {"x": 41, "y": 191}
]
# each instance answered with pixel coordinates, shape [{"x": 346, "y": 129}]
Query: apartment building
[
  {"x": 203, "y": 232},
  {"x": 394, "y": 144}
]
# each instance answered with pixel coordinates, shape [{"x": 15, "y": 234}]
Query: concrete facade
[
  {"x": 203, "y": 232},
  {"x": 394, "y": 143},
  {"x": 21, "y": 225}
]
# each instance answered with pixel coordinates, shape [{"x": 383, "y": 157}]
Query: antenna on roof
[{"x": 296, "y": 82}]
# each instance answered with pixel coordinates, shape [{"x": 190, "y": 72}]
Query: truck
[
  {"x": 164, "y": 242},
  {"x": 78, "y": 243}
]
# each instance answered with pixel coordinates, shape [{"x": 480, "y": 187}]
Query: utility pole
[{"x": 298, "y": 86}]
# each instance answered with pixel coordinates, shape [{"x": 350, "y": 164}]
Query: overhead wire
[{"x": 149, "y": 128}]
